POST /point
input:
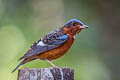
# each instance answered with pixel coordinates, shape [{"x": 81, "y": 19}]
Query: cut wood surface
[{"x": 58, "y": 73}]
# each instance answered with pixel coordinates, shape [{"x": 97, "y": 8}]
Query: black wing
[{"x": 48, "y": 42}]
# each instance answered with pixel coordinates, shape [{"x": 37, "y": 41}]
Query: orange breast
[{"x": 57, "y": 52}]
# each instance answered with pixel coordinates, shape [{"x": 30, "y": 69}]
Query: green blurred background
[{"x": 95, "y": 53}]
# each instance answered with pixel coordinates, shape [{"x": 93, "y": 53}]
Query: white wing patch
[{"x": 41, "y": 43}]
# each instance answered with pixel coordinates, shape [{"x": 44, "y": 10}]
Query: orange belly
[{"x": 57, "y": 52}]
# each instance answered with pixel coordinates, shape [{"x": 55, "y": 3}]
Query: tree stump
[{"x": 58, "y": 73}]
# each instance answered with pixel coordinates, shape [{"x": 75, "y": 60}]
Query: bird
[{"x": 53, "y": 45}]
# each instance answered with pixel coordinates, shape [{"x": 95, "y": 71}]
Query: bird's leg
[{"x": 50, "y": 63}]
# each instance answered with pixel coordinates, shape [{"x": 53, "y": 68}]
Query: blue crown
[
  {"x": 74, "y": 20},
  {"x": 71, "y": 21}
]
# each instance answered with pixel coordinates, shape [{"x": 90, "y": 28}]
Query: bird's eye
[{"x": 74, "y": 24}]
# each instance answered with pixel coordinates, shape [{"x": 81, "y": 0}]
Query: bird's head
[{"x": 73, "y": 27}]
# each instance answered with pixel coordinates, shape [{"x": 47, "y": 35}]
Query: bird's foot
[{"x": 51, "y": 63}]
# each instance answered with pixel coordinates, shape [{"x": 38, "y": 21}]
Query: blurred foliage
[{"x": 23, "y": 22}]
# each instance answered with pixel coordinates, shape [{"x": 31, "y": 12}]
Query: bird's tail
[{"x": 18, "y": 66}]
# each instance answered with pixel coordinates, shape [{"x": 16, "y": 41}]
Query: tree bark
[{"x": 58, "y": 73}]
